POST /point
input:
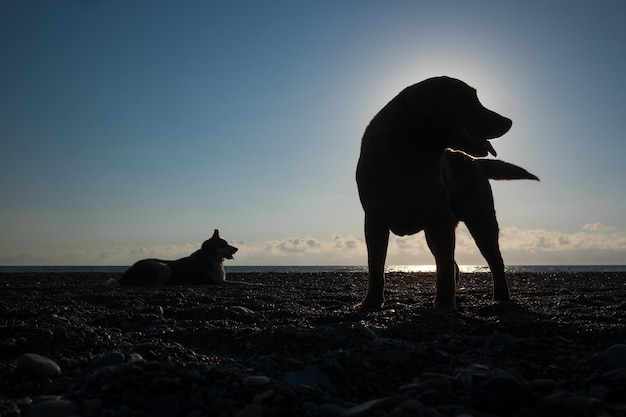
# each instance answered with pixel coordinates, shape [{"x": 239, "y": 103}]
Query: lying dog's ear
[{"x": 216, "y": 234}]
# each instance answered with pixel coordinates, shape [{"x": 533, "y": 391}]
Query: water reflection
[{"x": 432, "y": 268}]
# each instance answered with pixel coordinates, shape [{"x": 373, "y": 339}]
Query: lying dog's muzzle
[{"x": 229, "y": 253}]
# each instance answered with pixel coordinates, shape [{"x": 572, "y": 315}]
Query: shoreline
[{"x": 261, "y": 269}]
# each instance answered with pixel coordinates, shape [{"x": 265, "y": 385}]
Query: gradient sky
[{"x": 132, "y": 129}]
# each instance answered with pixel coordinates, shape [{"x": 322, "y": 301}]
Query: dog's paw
[
  {"x": 445, "y": 304},
  {"x": 369, "y": 305}
]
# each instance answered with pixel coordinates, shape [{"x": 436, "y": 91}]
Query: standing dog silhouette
[{"x": 408, "y": 181}]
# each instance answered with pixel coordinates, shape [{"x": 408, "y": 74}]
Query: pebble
[
  {"x": 311, "y": 376},
  {"x": 108, "y": 359},
  {"x": 242, "y": 309},
  {"x": 507, "y": 390},
  {"x": 250, "y": 410},
  {"x": 542, "y": 385},
  {"x": 38, "y": 365},
  {"x": 330, "y": 410},
  {"x": 54, "y": 408},
  {"x": 255, "y": 380},
  {"x": 265, "y": 395},
  {"x": 578, "y": 407},
  {"x": 615, "y": 357},
  {"x": 193, "y": 375},
  {"x": 165, "y": 405},
  {"x": 367, "y": 332},
  {"x": 369, "y": 407}
]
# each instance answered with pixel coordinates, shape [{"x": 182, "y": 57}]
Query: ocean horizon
[{"x": 321, "y": 269}]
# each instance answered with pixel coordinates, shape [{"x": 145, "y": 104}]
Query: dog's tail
[{"x": 496, "y": 169}]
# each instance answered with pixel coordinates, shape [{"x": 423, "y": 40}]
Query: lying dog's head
[
  {"x": 453, "y": 108},
  {"x": 218, "y": 247}
]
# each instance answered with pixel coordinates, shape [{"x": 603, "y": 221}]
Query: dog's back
[{"x": 147, "y": 273}]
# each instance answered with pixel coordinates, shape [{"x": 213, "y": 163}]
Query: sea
[{"x": 331, "y": 269}]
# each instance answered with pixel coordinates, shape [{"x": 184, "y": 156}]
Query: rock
[
  {"x": 542, "y": 385},
  {"x": 265, "y": 395},
  {"x": 366, "y": 408},
  {"x": 165, "y": 405},
  {"x": 108, "y": 359},
  {"x": 256, "y": 380},
  {"x": 250, "y": 410},
  {"x": 193, "y": 375},
  {"x": 502, "y": 390},
  {"x": 242, "y": 309},
  {"x": 367, "y": 332},
  {"x": 614, "y": 357},
  {"x": 464, "y": 381},
  {"x": 412, "y": 407},
  {"x": 598, "y": 392},
  {"x": 311, "y": 376},
  {"x": 578, "y": 407},
  {"x": 38, "y": 365},
  {"x": 330, "y": 410},
  {"x": 54, "y": 408},
  {"x": 164, "y": 384}
]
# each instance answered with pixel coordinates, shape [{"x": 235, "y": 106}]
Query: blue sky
[{"x": 134, "y": 128}]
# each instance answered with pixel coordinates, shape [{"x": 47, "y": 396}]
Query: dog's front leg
[
  {"x": 442, "y": 241},
  {"x": 377, "y": 240}
]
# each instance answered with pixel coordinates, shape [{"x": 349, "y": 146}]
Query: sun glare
[{"x": 465, "y": 269}]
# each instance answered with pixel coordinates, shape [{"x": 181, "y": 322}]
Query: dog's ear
[
  {"x": 425, "y": 101},
  {"x": 216, "y": 234}
]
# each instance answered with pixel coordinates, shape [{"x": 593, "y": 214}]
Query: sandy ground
[{"x": 293, "y": 345}]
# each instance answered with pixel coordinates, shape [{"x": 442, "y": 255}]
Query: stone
[
  {"x": 368, "y": 407},
  {"x": 615, "y": 357},
  {"x": 256, "y": 380},
  {"x": 108, "y": 359},
  {"x": 38, "y": 365},
  {"x": 165, "y": 405},
  {"x": 578, "y": 407},
  {"x": 250, "y": 410},
  {"x": 54, "y": 408},
  {"x": 311, "y": 376},
  {"x": 504, "y": 389}
]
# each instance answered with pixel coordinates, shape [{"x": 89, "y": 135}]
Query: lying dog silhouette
[
  {"x": 409, "y": 182},
  {"x": 204, "y": 266}
]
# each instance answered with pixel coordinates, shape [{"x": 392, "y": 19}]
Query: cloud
[
  {"x": 592, "y": 236},
  {"x": 597, "y": 227},
  {"x": 305, "y": 250},
  {"x": 594, "y": 243}
]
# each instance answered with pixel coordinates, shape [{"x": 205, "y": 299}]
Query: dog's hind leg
[
  {"x": 457, "y": 271},
  {"x": 485, "y": 232},
  {"x": 442, "y": 242},
  {"x": 377, "y": 241}
]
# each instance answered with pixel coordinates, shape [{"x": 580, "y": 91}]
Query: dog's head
[
  {"x": 462, "y": 122},
  {"x": 217, "y": 245}
]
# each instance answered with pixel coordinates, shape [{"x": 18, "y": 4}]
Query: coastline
[
  {"x": 294, "y": 345},
  {"x": 260, "y": 269}
]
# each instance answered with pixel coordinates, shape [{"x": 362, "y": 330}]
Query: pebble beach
[{"x": 293, "y": 345}]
